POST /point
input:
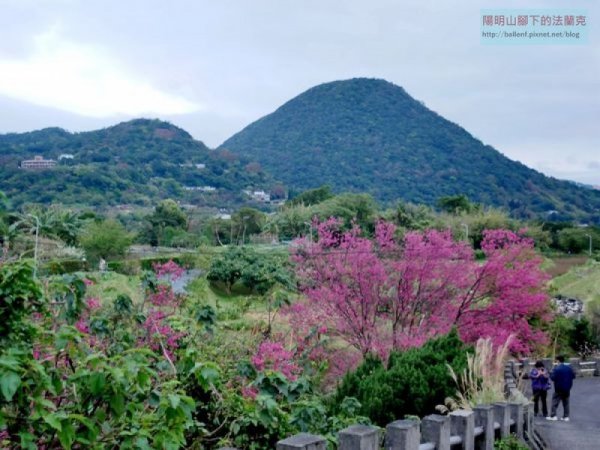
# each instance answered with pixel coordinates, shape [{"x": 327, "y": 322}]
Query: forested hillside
[
  {"x": 369, "y": 135},
  {"x": 135, "y": 162}
]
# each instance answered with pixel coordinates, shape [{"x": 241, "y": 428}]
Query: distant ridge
[
  {"x": 134, "y": 162},
  {"x": 369, "y": 135}
]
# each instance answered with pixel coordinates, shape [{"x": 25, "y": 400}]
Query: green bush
[
  {"x": 188, "y": 260},
  {"x": 244, "y": 266},
  {"x": 125, "y": 267},
  {"x": 414, "y": 382},
  {"x": 511, "y": 442},
  {"x": 59, "y": 267}
]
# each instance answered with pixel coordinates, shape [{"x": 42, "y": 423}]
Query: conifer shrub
[{"x": 413, "y": 383}]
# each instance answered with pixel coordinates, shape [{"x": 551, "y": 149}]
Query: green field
[{"x": 581, "y": 282}]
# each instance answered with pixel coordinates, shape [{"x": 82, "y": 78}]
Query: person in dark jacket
[
  {"x": 563, "y": 377},
  {"x": 540, "y": 383}
]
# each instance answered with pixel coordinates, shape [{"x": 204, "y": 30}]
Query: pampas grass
[{"x": 482, "y": 381}]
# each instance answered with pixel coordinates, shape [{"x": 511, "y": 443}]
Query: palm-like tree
[
  {"x": 53, "y": 223},
  {"x": 65, "y": 224},
  {"x": 30, "y": 224}
]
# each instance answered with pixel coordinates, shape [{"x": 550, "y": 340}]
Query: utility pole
[
  {"x": 310, "y": 229},
  {"x": 590, "y": 247},
  {"x": 35, "y": 249},
  {"x": 466, "y": 231},
  {"x": 244, "y": 218}
]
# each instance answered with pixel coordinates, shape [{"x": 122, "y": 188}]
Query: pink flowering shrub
[
  {"x": 273, "y": 356},
  {"x": 169, "y": 269},
  {"x": 249, "y": 392},
  {"x": 82, "y": 326},
  {"x": 159, "y": 335},
  {"x": 93, "y": 303},
  {"x": 163, "y": 295}
]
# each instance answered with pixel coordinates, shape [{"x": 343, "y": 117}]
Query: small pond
[{"x": 180, "y": 284}]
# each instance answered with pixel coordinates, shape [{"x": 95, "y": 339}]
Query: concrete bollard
[
  {"x": 511, "y": 367},
  {"x": 516, "y": 414},
  {"x": 509, "y": 388},
  {"x": 526, "y": 367},
  {"x": 303, "y": 441},
  {"x": 509, "y": 370},
  {"x": 436, "y": 429},
  {"x": 402, "y": 435},
  {"x": 548, "y": 364},
  {"x": 359, "y": 437},
  {"x": 528, "y": 421},
  {"x": 462, "y": 423},
  {"x": 597, "y": 371},
  {"x": 501, "y": 415},
  {"x": 574, "y": 363},
  {"x": 484, "y": 418}
]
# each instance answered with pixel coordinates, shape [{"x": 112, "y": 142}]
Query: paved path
[{"x": 583, "y": 431}]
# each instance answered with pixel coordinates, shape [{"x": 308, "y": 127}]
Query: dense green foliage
[
  {"x": 106, "y": 240},
  {"x": 166, "y": 221},
  {"x": 258, "y": 273},
  {"x": 312, "y": 196},
  {"x": 62, "y": 387},
  {"x": 575, "y": 336},
  {"x": 244, "y": 224},
  {"x": 76, "y": 371},
  {"x": 577, "y": 239},
  {"x": 456, "y": 204},
  {"x": 414, "y": 382},
  {"x": 20, "y": 297},
  {"x": 367, "y": 135},
  {"x": 295, "y": 218},
  {"x": 134, "y": 162}
]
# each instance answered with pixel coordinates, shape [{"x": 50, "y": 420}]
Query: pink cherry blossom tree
[{"x": 380, "y": 294}]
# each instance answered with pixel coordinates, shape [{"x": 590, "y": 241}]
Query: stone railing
[
  {"x": 468, "y": 430},
  {"x": 476, "y": 429},
  {"x": 581, "y": 368}
]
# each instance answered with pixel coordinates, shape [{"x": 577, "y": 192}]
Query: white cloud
[{"x": 83, "y": 79}]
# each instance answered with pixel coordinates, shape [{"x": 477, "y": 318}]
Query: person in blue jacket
[
  {"x": 563, "y": 377},
  {"x": 540, "y": 383}
]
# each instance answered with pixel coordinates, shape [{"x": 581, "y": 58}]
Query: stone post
[
  {"x": 402, "y": 435},
  {"x": 359, "y": 437},
  {"x": 509, "y": 387},
  {"x": 484, "y": 418},
  {"x": 501, "y": 415},
  {"x": 528, "y": 419},
  {"x": 462, "y": 423},
  {"x": 597, "y": 361},
  {"x": 509, "y": 370},
  {"x": 436, "y": 429},
  {"x": 516, "y": 414},
  {"x": 526, "y": 367},
  {"x": 574, "y": 363},
  {"x": 548, "y": 364},
  {"x": 303, "y": 441}
]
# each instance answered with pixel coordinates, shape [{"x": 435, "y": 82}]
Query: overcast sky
[{"x": 213, "y": 67}]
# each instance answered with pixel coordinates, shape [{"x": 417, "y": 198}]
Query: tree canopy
[{"x": 106, "y": 239}]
